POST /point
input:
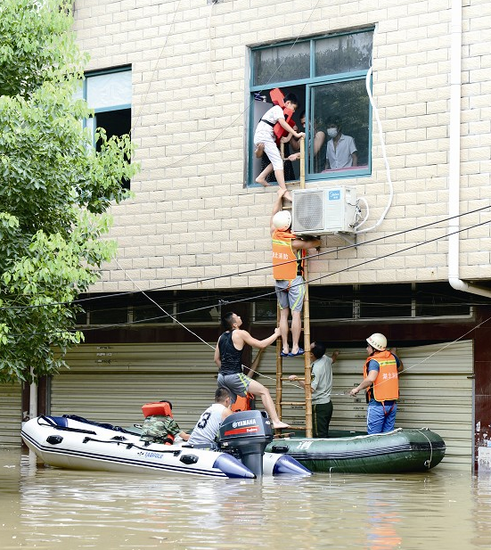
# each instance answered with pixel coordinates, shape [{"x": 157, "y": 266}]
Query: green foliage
[{"x": 55, "y": 188}]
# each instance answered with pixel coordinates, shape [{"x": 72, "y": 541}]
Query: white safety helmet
[
  {"x": 282, "y": 219},
  {"x": 377, "y": 341}
]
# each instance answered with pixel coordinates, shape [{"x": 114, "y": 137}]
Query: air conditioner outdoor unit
[{"x": 323, "y": 211}]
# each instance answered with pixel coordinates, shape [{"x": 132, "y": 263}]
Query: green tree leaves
[{"x": 55, "y": 188}]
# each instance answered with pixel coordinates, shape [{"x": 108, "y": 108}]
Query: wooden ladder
[{"x": 280, "y": 378}]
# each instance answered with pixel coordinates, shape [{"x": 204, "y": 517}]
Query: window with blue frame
[
  {"x": 109, "y": 94},
  {"x": 328, "y": 74}
]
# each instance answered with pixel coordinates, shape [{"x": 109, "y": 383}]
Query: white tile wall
[{"x": 192, "y": 218}]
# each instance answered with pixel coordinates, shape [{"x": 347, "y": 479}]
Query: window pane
[
  {"x": 332, "y": 302},
  {"x": 198, "y": 307},
  {"x": 343, "y": 54},
  {"x": 346, "y": 106},
  {"x": 385, "y": 301},
  {"x": 281, "y": 63},
  {"x": 266, "y": 310},
  {"x": 147, "y": 312},
  {"x": 434, "y": 299},
  {"x": 107, "y": 311},
  {"x": 109, "y": 90},
  {"x": 115, "y": 123}
]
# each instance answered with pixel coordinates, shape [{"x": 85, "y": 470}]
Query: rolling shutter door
[
  {"x": 436, "y": 392},
  {"x": 10, "y": 415},
  {"x": 110, "y": 383}
]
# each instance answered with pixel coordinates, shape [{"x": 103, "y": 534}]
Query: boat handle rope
[
  {"x": 129, "y": 445},
  {"x": 51, "y": 424},
  {"x": 427, "y": 463}
]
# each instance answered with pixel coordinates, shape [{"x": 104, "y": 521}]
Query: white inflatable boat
[{"x": 76, "y": 443}]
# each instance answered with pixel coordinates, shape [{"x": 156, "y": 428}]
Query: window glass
[
  {"x": 281, "y": 63},
  {"x": 110, "y": 96},
  {"x": 109, "y": 90},
  {"x": 343, "y": 54},
  {"x": 340, "y": 111},
  {"x": 116, "y": 123},
  {"x": 265, "y": 310},
  {"x": 327, "y": 74},
  {"x": 197, "y": 307},
  {"x": 434, "y": 300},
  {"x": 106, "y": 310},
  {"x": 382, "y": 301},
  {"x": 331, "y": 302}
]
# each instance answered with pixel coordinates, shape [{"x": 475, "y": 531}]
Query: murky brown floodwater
[{"x": 44, "y": 508}]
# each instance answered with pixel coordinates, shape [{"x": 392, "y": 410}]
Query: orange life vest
[
  {"x": 160, "y": 408},
  {"x": 386, "y": 385},
  {"x": 243, "y": 403},
  {"x": 287, "y": 263},
  {"x": 278, "y": 130}
]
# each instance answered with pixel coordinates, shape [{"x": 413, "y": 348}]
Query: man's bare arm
[{"x": 254, "y": 342}]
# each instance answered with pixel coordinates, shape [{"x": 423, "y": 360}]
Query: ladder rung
[{"x": 293, "y": 403}]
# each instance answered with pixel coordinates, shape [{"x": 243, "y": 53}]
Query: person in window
[
  {"x": 288, "y": 170},
  {"x": 206, "y": 430},
  {"x": 289, "y": 253},
  {"x": 381, "y": 382},
  {"x": 264, "y": 138},
  {"x": 321, "y": 385},
  {"x": 341, "y": 151},
  {"x": 316, "y": 141}
]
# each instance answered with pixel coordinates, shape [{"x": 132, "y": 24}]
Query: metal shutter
[
  {"x": 111, "y": 382},
  {"x": 436, "y": 392},
  {"x": 10, "y": 415}
]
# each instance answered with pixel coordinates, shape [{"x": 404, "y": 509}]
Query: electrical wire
[
  {"x": 159, "y": 57},
  {"x": 268, "y": 266},
  {"x": 168, "y": 314},
  {"x": 247, "y": 108},
  {"x": 273, "y": 292}
]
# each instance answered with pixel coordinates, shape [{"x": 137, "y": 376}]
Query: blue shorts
[
  {"x": 290, "y": 294},
  {"x": 381, "y": 417}
]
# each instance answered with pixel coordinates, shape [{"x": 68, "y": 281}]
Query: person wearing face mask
[
  {"x": 316, "y": 141},
  {"x": 341, "y": 150}
]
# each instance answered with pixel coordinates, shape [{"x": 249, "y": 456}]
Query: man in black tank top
[{"x": 228, "y": 357}]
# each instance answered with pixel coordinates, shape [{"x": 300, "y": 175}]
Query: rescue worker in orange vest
[
  {"x": 288, "y": 260},
  {"x": 381, "y": 382}
]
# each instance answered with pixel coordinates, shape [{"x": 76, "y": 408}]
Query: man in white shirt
[
  {"x": 206, "y": 430},
  {"x": 341, "y": 151}
]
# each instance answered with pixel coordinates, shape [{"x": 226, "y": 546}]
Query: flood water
[{"x": 45, "y": 508}]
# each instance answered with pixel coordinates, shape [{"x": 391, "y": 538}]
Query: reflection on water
[{"x": 45, "y": 508}]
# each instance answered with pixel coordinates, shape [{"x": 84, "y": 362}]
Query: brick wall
[{"x": 192, "y": 218}]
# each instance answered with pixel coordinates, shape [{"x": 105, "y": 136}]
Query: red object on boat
[{"x": 159, "y": 408}]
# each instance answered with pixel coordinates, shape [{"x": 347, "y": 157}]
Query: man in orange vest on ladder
[
  {"x": 381, "y": 381},
  {"x": 289, "y": 253}
]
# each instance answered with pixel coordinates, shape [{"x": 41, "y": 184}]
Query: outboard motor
[{"x": 248, "y": 433}]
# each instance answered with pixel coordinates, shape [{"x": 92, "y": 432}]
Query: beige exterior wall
[{"x": 192, "y": 218}]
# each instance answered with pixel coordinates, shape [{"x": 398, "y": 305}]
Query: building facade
[{"x": 190, "y": 79}]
